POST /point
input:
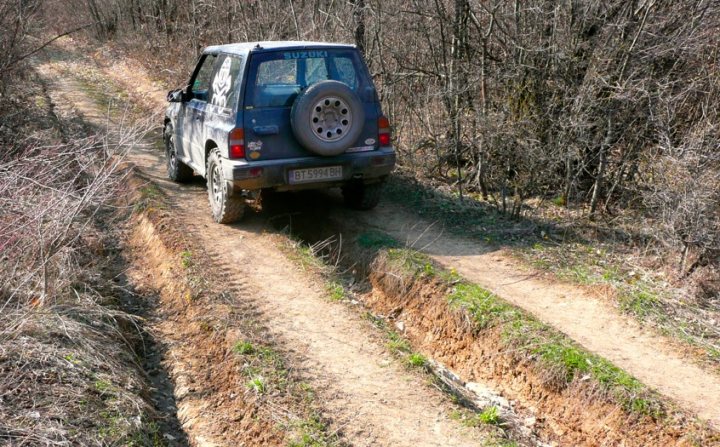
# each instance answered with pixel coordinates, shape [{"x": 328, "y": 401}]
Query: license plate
[{"x": 316, "y": 174}]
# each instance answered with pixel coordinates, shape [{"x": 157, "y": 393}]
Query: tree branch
[{"x": 26, "y": 55}]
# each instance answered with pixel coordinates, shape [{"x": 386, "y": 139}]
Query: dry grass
[{"x": 68, "y": 369}]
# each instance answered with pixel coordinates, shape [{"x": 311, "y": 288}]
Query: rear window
[{"x": 276, "y": 78}]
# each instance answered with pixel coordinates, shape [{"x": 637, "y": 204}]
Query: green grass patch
[
  {"x": 151, "y": 198},
  {"x": 556, "y": 353},
  {"x": 304, "y": 255},
  {"x": 257, "y": 384},
  {"x": 416, "y": 360},
  {"x": 376, "y": 240},
  {"x": 186, "y": 258},
  {"x": 103, "y": 386},
  {"x": 335, "y": 290},
  {"x": 397, "y": 344},
  {"x": 263, "y": 367},
  {"x": 72, "y": 358},
  {"x": 485, "y": 308},
  {"x": 313, "y": 432},
  {"x": 244, "y": 348},
  {"x": 640, "y": 302},
  {"x": 490, "y": 415},
  {"x": 559, "y": 201},
  {"x": 411, "y": 262}
]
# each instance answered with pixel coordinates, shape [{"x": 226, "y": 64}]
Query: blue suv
[{"x": 281, "y": 116}]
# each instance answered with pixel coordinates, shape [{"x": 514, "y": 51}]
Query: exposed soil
[
  {"x": 198, "y": 334},
  {"x": 186, "y": 358},
  {"x": 578, "y": 414},
  {"x": 579, "y": 312},
  {"x": 573, "y": 415},
  {"x": 372, "y": 399},
  {"x": 583, "y": 314},
  {"x": 74, "y": 361},
  {"x": 366, "y": 395}
]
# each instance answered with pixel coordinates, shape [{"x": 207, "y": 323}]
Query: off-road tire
[
  {"x": 340, "y": 113},
  {"x": 177, "y": 171},
  {"x": 361, "y": 196},
  {"x": 225, "y": 208}
]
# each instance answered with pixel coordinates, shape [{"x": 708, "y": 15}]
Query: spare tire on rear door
[{"x": 327, "y": 118}]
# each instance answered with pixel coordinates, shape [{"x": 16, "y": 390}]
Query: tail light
[
  {"x": 236, "y": 143},
  {"x": 383, "y": 131}
]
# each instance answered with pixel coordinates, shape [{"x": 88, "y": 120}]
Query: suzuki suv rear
[{"x": 282, "y": 116}]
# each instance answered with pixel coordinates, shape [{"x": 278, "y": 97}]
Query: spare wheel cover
[{"x": 327, "y": 118}]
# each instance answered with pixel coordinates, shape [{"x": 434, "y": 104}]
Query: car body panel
[
  {"x": 202, "y": 122},
  {"x": 368, "y": 167}
]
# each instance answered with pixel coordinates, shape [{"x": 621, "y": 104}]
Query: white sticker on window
[{"x": 221, "y": 84}]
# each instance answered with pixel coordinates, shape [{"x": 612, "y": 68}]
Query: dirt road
[
  {"x": 587, "y": 318},
  {"x": 373, "y": 399},
  {"x": 370, "y": 397}
]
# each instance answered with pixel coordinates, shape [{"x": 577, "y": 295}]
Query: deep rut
[
  {"x": 369, "y": 396},
  {"x": 588, "y": 319}
]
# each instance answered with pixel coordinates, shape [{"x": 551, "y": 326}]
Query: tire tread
[
  {"x": 182, "y": 172},
  {"x": 232, "y": 208},
  {"x": 361, "y": 196}
]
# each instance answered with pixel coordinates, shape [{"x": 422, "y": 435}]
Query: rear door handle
[{"x": 266, "y": 130}]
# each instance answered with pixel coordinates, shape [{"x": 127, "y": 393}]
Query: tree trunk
[
  {"x": 601, "y": 168},
  {"x": 359, "y": 19}
]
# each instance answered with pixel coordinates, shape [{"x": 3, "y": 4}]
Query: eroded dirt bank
[
  {"x": 365, "y": 394},
  {"x": 585, "y": 316},
  {"x": 577, "y": 413},
  {"x": 578, "y": 312},
  {"x": 198, "y": 334},
  {"x": 366, "y": 397},
  {"x": 561, "y": 406}
]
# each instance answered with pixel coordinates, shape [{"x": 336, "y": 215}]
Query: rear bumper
[{"x": 367, "y": 167}]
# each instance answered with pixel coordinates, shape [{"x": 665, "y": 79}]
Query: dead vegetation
[
  {"x": 219, "y": 354},
  {"x": 68, "y": 366},
  {"x": 611, "y": 168},
  {"x": 590, "y": 123}
]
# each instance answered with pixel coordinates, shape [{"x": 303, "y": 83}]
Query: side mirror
[{"x": 176, "y": 95}]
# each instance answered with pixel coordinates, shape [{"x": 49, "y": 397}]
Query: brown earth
[
  {"x": 574, "y": 415},
  {"x": 371, "y": 398},
  {"x": 213, "y": 404},
  {"x": 581, "y": 313},
  {"x": 366, "y": 395},
  {"x": 296, "y": 311}
]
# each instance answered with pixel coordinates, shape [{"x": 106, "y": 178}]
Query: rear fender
[{"x": 217, "y": 129}]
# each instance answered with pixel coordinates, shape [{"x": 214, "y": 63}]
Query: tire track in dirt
[
  {"x": 588, "y": 319},
  {"x": 191, "y": 411},
  {"x": 372, "y": 399}
]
